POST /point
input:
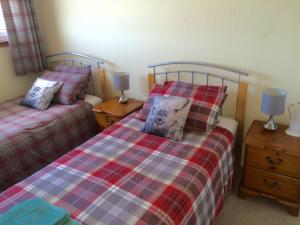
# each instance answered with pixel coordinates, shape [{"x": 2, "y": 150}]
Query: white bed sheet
[
  {"x": 197, "y": 138},
  {"x": 228, "y": 123}
]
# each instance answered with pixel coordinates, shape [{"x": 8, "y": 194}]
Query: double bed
[
  {"x": 126, "y": 176},
  {"x": 31, "y": 139}
]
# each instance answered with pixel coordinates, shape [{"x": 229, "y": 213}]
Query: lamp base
[
  {"x": 123, "y": 99},
  {"x": 270, "y": 125}
]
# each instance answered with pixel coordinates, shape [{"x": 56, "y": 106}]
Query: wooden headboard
[
  {"x": 82, "y": 60},
  {"x": 236, "y": 77}
]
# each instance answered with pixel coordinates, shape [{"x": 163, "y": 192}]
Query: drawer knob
[
  {"x": 271, "y": 184},
  {"x": 109, "y": 120},
  {"x": 269, "y": 159},
  {"x": 272, "y": 162}
]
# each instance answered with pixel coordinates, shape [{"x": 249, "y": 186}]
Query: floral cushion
[
  {"x": 207, "y": 103},
  {"x": 41, "y": 94},
  {"x": 168, "y": 116},
  {"x": 71, "y": 86},
  {"x": 85, "y": 71}
]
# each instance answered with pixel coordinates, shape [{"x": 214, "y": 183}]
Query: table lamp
[
  {"x": 122, "y": 83},
  {"x": 273, "y": 104}
]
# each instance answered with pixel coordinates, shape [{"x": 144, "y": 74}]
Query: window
[{"x": 3, "y": 34}]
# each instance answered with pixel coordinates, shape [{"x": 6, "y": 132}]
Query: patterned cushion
[
  {"x": 205, "y": 110},
  {"x": 41, "y": 94},
  {"x": 167, "y": 117},
  {"x": 71, "y": 86},
  {"x": 85, "y": 71},
  {"x": 157, "y": 90}
]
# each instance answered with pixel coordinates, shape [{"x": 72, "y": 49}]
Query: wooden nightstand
[
  {"x": 272, "y": 166},
  {"x": 111, "y": 111}
]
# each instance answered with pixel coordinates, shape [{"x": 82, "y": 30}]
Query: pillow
[
  {"x": 41, "y": 94},
  {"x": 85, "y": 71},
  {"x": 207, "y": 103},
  {"x": 71, "y": 86},
  {"x": 167, "y": 117},
  {"x": 177, "y": 88},
  {"x": 92, "y": 100},
  {"x": 201, "y": 88},
  {"x": 204, "y": 113}
]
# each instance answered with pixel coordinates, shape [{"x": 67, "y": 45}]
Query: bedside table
[
  {"x": 272, "y": 166},
  {"x": 111, "y": 111}
]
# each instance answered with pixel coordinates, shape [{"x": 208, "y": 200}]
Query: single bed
[
  {"x": 126, "y": 176},
  {"x": 31, "y": 139}
]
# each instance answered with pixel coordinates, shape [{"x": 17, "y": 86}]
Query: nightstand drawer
[
  {"x": 105, "y": 120},
  {"x": 273, "y": 161},
  {"x": 272, "y": 184}
]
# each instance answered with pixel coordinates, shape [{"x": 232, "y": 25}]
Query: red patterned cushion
[
  {"x": 207, "y": 102},
  {"x": 71, "y": 86},
  {"x": 85, "y": 71}
]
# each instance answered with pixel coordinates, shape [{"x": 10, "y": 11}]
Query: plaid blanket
[
  {"x": 31, "y": 139},
  {"x": 125, "y": 176}
]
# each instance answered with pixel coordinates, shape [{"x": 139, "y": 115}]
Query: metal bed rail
[
  {"x": 236, "y": 72},
  {"x": 98, "y": 61},
  {"x": 223, "y": 76}
]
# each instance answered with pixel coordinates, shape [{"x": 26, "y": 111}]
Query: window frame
[
  {"x": 4, "y": 43},
  {"x": 3, "y": 40}
]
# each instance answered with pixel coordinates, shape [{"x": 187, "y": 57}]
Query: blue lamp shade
[
  {"x": 273, "y": 101},
  {"x": 121, "y": 80}
]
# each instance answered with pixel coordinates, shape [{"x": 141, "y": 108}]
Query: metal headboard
[
  {"x": 238, "y": 73},
  {"x": 75, "y": 58},
  {"x": 98, "y": 61},
  {"x": 235, "y": 73}
]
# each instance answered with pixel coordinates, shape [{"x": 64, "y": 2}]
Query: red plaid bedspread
[
  {"x": 124, "y": 176},
  {"x": 31, "y": 139}
]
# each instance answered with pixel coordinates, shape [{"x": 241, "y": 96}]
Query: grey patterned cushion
[
  {"x": 168, "y": 116},
  {"x": 72, "y": 83},
  {"x": 84, "y": 71},
  {"x": 41, "y": 94}
]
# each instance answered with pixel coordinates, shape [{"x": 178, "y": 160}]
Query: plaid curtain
[{"x": 23, "y": 35}]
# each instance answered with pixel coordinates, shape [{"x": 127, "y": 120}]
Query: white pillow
[
  {"x": 93, "y": 100},
  {"x": 41, "y": 94}
]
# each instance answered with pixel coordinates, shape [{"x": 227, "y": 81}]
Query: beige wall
[
  {"x": 10, "y": 85},
  {"x": 259, "y": 36}
]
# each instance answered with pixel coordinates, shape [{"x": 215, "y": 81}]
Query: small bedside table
[
  {"x": 272, "y": 166},
  {"x": 111, "y": 111}
]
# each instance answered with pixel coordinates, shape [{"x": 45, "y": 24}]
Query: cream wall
[
  {"x": 10, "y": 85},
  {"x": 259, "y": 36}
]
